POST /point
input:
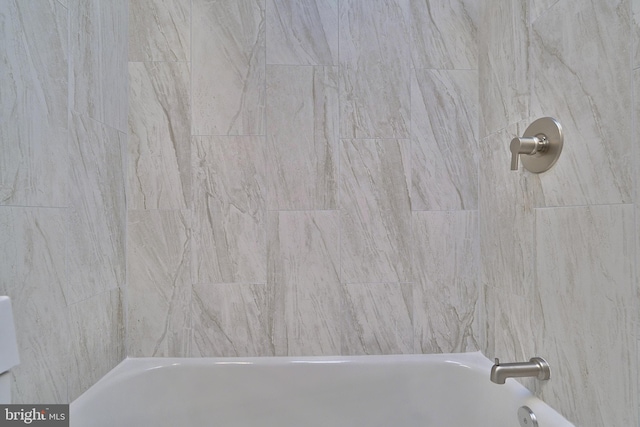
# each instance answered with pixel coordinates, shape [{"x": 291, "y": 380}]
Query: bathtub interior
[{"x": 418, "y": 390}]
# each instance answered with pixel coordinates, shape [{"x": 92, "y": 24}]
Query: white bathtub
[{"x": 446, "y": 390}]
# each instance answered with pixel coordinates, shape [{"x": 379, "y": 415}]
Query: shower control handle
[
  {"x": 540, "y": 146},
  {"x": 528, "y": 145}
]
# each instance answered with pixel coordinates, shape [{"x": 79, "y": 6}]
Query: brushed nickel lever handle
[
  {"x": 529, "y": 145},
  {"x": 540, "y": 145}
]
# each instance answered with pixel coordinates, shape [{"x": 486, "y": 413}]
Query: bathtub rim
[
  {"x": 475, "y": 361},
  {"x": 131, "y": 366}
]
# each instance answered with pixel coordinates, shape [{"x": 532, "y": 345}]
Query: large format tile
[
  {"x": 303, "y": 275},
  {"x": 591, "y": 102},
  {"x": 302, "y": 136},
  {"x": 584, "y": 266},
  {"x": 228, "y": 67},
  {"x": 159, "y": 171},
  {"x": 375, "y": 211},
  {"x": 515, "y": 325},
  {"x": 446, "y": 297},
  {"x": 635, "y": 33},
  {"x": 159, "y": 283},
  {"x": 85, "y": 47},
  {"x": 636, "y": 138},
  {"x": 159, "y": 30},
  {"x": 97, "y": 339},
  {"x": 636, "y": 160},
  {"x": 32, "y": 273},
  {"x": 503, "y": 40},
  {"x": 506, "y": 203},
  {"x": 444, "y": 140},
  {"x": 377, "y": 319},
  {"x": 96, "y": 215},
  {"x": 229, "y": 209},
  {"x": 231, "y": 320},
  {"x": 443, "y": 34},
  {"x": 98, "y": 45},
  {"x": 33, "y": 105},
  {"x": 302, "y": 32},
  {"x": 541, "y": 7},
  {"x": 114, "y": 24},
  {"x": 375, "y": 68}
]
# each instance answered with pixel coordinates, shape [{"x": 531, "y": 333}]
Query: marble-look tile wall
[
  {"x": 324, "y": 200},
  {"x": 62, "y": 208},
  {"x": 559, "y": 250}
]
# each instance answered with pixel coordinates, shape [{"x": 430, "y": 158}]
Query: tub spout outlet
[{"x": 536, "y": 367}]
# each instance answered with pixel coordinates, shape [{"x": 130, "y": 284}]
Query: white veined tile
[
  {"x": 584, "y": 268},
  {"x": 302, "y": 137},
  {"x": 378, "y": 319},
  {"x": 446, "y": 297},
  {"x": 444, "y": 139},
  {"x": 375, "y": 211},
  {"x": 228, "y": 67},
  {"x": 375, "y": 76},
  {"x": 303, "y": 275},
  {"x": 159, "y": 283},
  {"x": 444, "y": 34},
  {"x": 159, "y": 30},
  {"x": 32, "y": 274},
  {"x": 302, "y": 32},
  {"x": 231, "y": 320},
  {"x": 159, "y": 160},
  {"x": 34, "y": 103},
  {"x": 585, "y": 82},
  {"x": 229, "y": 209}
]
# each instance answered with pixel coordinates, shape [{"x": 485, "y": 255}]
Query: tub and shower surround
[
  {"x": 296, "y": 188},
  {"x": 558, "y": 264},
  {"x": 443, "y": 390},
  {"x": 63, "y": 131},
  {"x": 328, "y": 198},
  {"x": 307, "y": 184}
]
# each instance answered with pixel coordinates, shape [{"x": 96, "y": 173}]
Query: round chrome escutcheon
[{"x": 526, "y": 417}]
